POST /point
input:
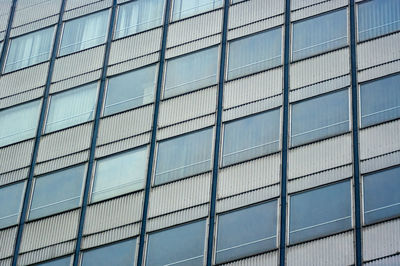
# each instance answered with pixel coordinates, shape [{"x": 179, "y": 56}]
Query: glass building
[{"x": 199, "y": 132}]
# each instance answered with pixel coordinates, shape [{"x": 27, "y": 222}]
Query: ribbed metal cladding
[
  {"x": 270, "y": 259},
  {"x": 37, "y": 25},
  {"x": 32, "y": 10},
  {"x": 185, "y": 127},
  {"x": 16, "y": 156},
  {"x": 6, "y": 262},
  {"x": 318, "y": 156},
  {"x": 314, "y": 8},
  {"x": 77, "y": 8},
  {"x": 378, "y": 51},
  {"x": 133, "y": 63},
  {"x": 188, "y": 106},
  {"x": 379, "y": 71},
  {"x": 393, "y": 260},
  {"x": 20, "y": 98},
  {"x": 75, "y": 81},
  {"x": 122, "y": 145},
  {"x": 52, "y": 165},
  {"x": 113, "y": 213},
  {"x": 249, "y": 175},
  {"x": 298, "y": 4},
  {"x": 4, "y": 14},
  {"x": 193, "y": 46},
  {"x": 333, "y": 250},
  {"x": 7, "y": 238},
  {"x": 319, "y": 68},
  {"x": 179, "y": 195},
  {"x": 380, "y": 139},
  {"x": 49, "y": 231},
  {"x": 14, "y": 176},
  {"x": 381, "y": 240},
  {"x": 380, "y": 162},
  {"x": 65, "y": 142}
]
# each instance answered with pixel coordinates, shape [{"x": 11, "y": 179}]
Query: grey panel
[
  {"x": 6, "y": 262},
  {"x": 393, "y": 260},
  {"x": 16, "y": 156},
  {"x": 380, "y": 162},
  {"x": 22, "y": 97},
  {"x": 4, "y": 14},
  {"x": 315, "y": 7},
  {"x": 7, "y": 241},
  {"x": 14, "y": 176},
  {"x": 379, "y": 71},
  {"x": 133, "y": 63},
  {"x": 298, "y": 4},
  {"x": 75, "y": 81},
  {"x": 185, "y": 127},
  {"x": 122, "y": 145},
  {"x": 52, "y": 165},
  {"x": 193, "y": 46},
  {"x": 32, "y": 10},
  {"x": 37, "y": 25},
  {"x": 270, "y": 259},
  {"x": 77, "y": 8}
]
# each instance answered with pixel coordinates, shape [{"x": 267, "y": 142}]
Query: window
[
  {"x": 246, "y": 232},
  {"x": 11, "y": 198},
  {"x": 29, "y": 49},
  {"x": 19, "y": 122},
  {"x": 57, "y": 262},
  {"x": 181, "y": 245},
  {"x": 187, "y": 8},
  {"x": 138, "y": 16},
  {"x": 120, "y": 174},
  {"x": 71, "y": 107},
  {"x": 57, "y": 192},
  {"x": 316, "y": 35},
  {"x": 380, "y": 100},
  {"x": 255, "y": 53},
  {"x": 378, "y": 17},
  {"x": 84, "y": 32},
  {"x": 120, "y": 253},
  {"x": 190, "y": 72},
  {"x": 320, "y": 117},
  {"x": 251, "y": 137},
  {"x": 381, "y": 195},
  {"x": 130, "y": 90},
  {"x": 183, "y": 156},
  {"x": 320, "y": 212}
]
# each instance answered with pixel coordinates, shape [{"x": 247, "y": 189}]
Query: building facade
[{"x": 199, "y": 132}]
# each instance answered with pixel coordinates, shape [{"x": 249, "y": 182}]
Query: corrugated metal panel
[
  {"x": 249, "y": 175},
  {"x": 40, "y": 24},
  {"x": 182, "y": 31},
  {"x": 77, "y": 8},
  {"x": 28, "y": 78},
  {"x": 380, "y": 162},
  {"x": 122, "y": 145},
  {"x": 135, "y": 46},
  {"x": 75, "y": 81},
  {"x": 78, "y": 63},
  {"x": 378, "y": 51},
  {"x": 297, "y": 4},
  {"x": 380, "y": 139},
  {"x": 16, "y": 156},
  {"x": 62, "y": 162},
  {"x": 32, "y": 10},
  {"x": 72, "y": 4},
  {"x": 333, "y": 250},
  {"x": 318, "y": 156},
  {"x": 180, "y": 195},
  {"x": 253, "y": 88},
  {"x": 319, "y": 88},
  {"x": 381, "y": 239},
  {"x": 22, "y": 97},
  {"x": 111, "y": 235},
  {"x": 248, "y": 198},
  {"x": 185, "y": 127},
  {"x": 65, "y": 142},
  {"x": 187, "y": 106},
  {"x": 50, "y": 231},
  {"x": 14, "y": 176},
  {"x": 47, "y": 253},
  {"x": 125, "y": 125},
  {"x": 319, "y": 68},
  {"x": 4, "y": 14},
  {"x": 320, "y": 178},
  {"x": 133, "y": 64},
  {"x": 270, "y": 259},
  {"x": 389, "y": 261},
  {"x": 178, "y": 217},
  {"x": 193, "y": 46},
  {"x": 315, "y": 8},
  {"x": 7, "y": 240},
  {"x": 252, "y": 108},
  {"x": 6, "y": 262},
  {"x": 378, "y": 71},
  {"x": 113, "y": 213}
]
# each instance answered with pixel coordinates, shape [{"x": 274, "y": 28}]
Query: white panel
[
  {"x": 193, "y": 46},
  {"x": 7, "y": 240},
  {"x": 378, "y": 71},
  {"x": 34, "y": 26},
  {"x": 6, "y": 262},
  {"x": 316, "y": 8},
  {"x": 75, "y": 81},
  {"x": 21, "y": 97},
  {"x": 4, "y": 14},
  {"x": 270, "y": 259},
  {"x": 389, "y": 261},
  {"x": 319, "y": 156},
  {"x": 72, "y": 4},
  {"x": 132, "y": 64},
  {"x": 16, "y": 156},
  {"x": 77, "y": 8},
  {"x": 47, "y": 253},
  {"x": 32, "y": 10},
  {"x": 333, "y": 250},
  {"x": 52, "y": 165},
  {"x": 14, "y": 176},
  {"x": 298, "y": 4},
  {"x": 380, "y": 162},
  {"x": 122, "y": 145}
]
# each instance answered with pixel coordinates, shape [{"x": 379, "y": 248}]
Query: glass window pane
[
  {"x": 320, "y": 212},
  {"x": 183, "y": 156},
  {"x": 320, "y": 117},
  {"x": 121, "y": 254},
  {"x": 378, "y": 17},
  {"x": 138, "y": 16},
  {"x": 71, "y": 107},
  {"x": 130, "y": 90},
  {"x": 190, "y": 72},
  {"x": 29, "y": 49},
  {"x": 255, "y": 53},
  {"x": 316, "y": 35},
  {"x": 380, "y": 100},
  {"x": 19, "y": 122},
  {"x": 57, "y": 262},
  {"x": 187, "y": 8},
  {"x": 246, "y": 232},
  {"x": 84, "y": 32},
  {"x": 181, "y": 245},
  {"x": 251, "y": 137},
  {"x": 381, "y": 195},
  {"x": 12, "y": 195},
  {"x": 120, "y": 174},
  {"x": 57, "y": 192}
]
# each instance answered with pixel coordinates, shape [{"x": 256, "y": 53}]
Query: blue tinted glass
[
  {"x": 58, "y": 262},
  {"x": 378, "y": 17},
  {"x": 246, "y": 232},
  {"x": 320, "y": 117},
  {"x": 316, "y": 35},
  {"x": 381, "y": 195},
  {"x": 187, "y": 8},
  {"x": 182, "y": 245},
  {"x": 320, "y": 212},
  {"x": 380, "y": 100},
  {"x": 11, "y": 202}
]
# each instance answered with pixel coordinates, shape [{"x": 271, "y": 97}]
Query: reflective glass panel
[
  {"x": 11, "y": 203},
  {"x": 57, "y": 262},
  {"x": 187, "y": 8}
]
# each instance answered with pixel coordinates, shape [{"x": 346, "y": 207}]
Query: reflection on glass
[
  {"x": 11, "y": 198},
  {"x": 187, "y": 8}
]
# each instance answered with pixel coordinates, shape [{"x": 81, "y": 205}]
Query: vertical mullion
[{"x": 7, "y": 36}]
